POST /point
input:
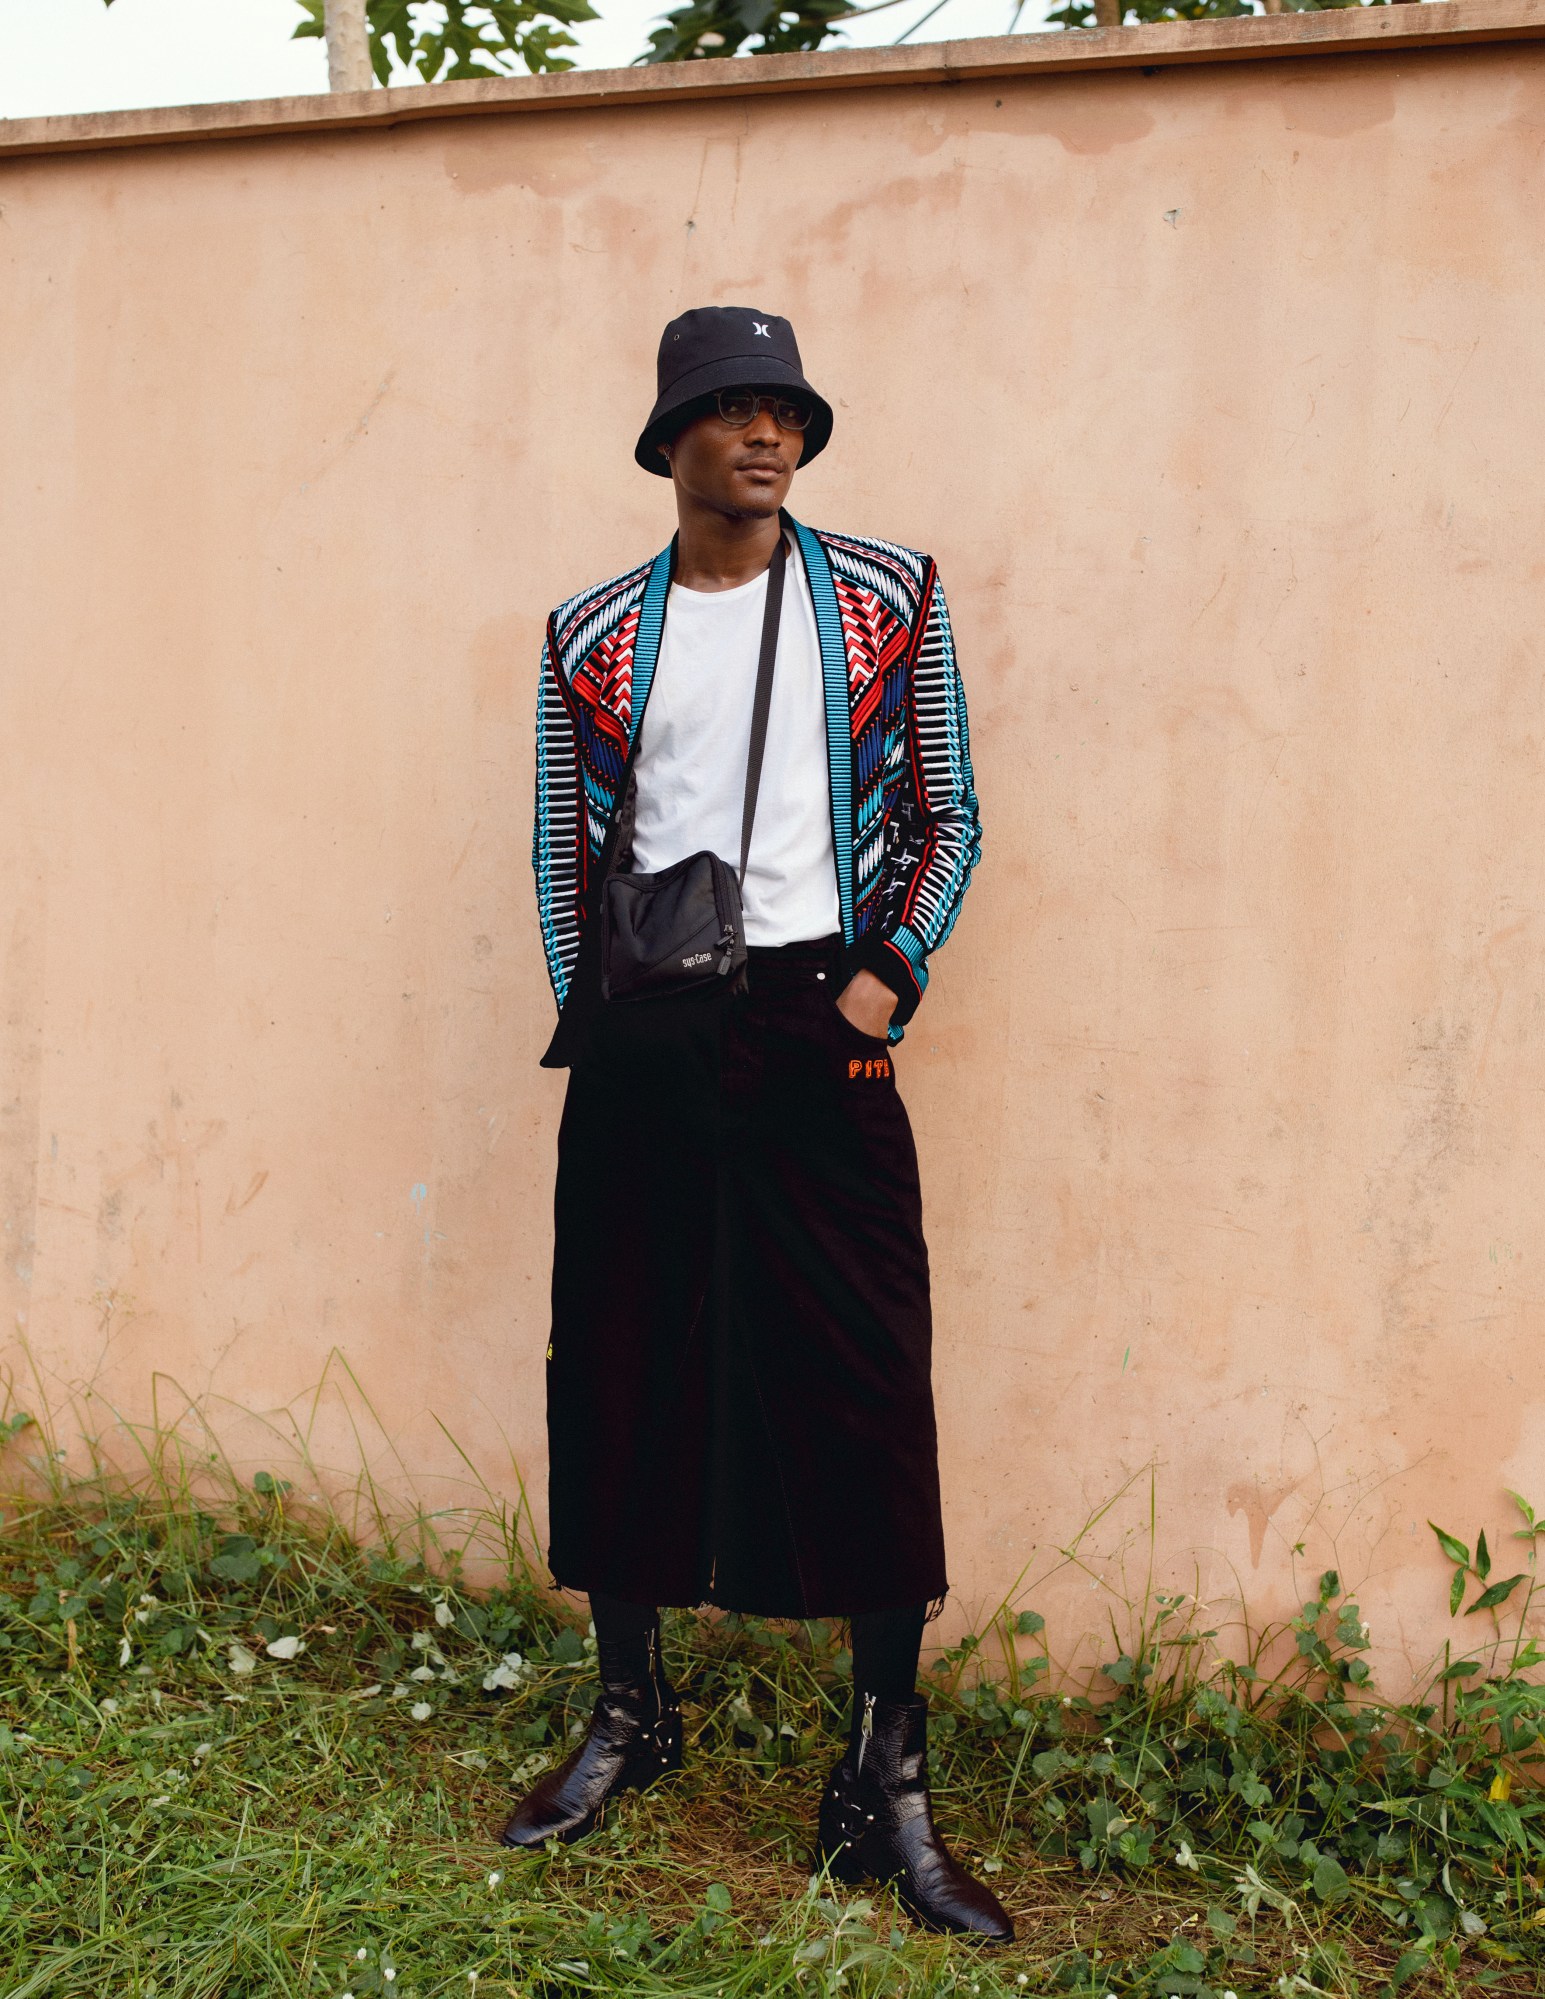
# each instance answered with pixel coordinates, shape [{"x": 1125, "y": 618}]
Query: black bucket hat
[{"x": 717, "y": 347}]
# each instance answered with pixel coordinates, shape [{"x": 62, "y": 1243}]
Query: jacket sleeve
[
  {"x": 938, "y": 838},
  {"x": 557, "y": 843}
]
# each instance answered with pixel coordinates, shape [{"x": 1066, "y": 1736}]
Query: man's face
[{"x": 742, "y": 471}]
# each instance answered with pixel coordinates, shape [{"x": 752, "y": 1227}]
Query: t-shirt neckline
[{"x": 736, "y": 590}]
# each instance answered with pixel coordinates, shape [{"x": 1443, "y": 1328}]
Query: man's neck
[{"x": 720, "y": 552}]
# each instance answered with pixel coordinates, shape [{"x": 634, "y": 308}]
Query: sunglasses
[{"x": 739, "y": 406}]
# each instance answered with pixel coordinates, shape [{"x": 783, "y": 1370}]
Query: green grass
[{"x": 186, "y": 1811}]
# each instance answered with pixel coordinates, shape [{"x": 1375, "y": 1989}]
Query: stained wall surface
[{"x": 1213, "y": 391}]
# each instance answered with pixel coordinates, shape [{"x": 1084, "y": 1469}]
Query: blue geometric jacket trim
[{"x": 906, "y": 831}]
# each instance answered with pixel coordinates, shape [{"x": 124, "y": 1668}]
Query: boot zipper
[{"x": 865, "y": 1730}]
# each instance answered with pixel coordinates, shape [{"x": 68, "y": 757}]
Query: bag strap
[{"x": 762, "y": 702}]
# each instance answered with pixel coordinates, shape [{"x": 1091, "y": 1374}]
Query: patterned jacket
[{"x": 906, "y": 832}]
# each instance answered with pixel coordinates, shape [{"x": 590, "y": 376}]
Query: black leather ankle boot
[
  {"x": 877, "y": 1823},
  {"x": 634, "y": 1737}
]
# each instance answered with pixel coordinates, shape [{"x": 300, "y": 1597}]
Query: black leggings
[{"x": 886, "y": 1643}]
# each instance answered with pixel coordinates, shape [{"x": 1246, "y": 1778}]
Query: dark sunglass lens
[
  {"x": 736, "y": 407},
  {"x": 792, "y": 416}
]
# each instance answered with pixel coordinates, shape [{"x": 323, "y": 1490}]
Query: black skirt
[{"x": 739, "y": 1402}]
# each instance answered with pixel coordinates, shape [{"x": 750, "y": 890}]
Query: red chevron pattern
[{"x": 876, "y": 639}]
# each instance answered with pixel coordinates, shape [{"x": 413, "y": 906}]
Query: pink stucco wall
[{"x": 1213, "y": 391}]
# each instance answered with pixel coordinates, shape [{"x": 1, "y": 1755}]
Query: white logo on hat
[{"x": 758, "y": 326}]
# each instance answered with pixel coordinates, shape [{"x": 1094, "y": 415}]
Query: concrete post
[{"x": 348, "y": 46}]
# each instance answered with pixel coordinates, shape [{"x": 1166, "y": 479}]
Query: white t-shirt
[{"x": 692, "y": 752}]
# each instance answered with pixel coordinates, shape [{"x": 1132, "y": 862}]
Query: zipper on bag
[{"x": 726, "y": 928}]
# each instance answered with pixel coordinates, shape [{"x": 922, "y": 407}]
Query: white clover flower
[
  {"x": 163, "y": 1800},
  {"x": 108, "y": 1706},
  {"x": 360, "y": 1953},
  {"x": 422, "y": 1673},
  {"x": 421, "y": 1710},
  {"x": 1067, "y": 1700},
  {"x": 388, "y": 1974},
  {"x": 445, "y": 1617},
  {"x": 1184, "y": 1857},
  {"x": 422, "y": 1640},
  {"x": 505, "y": 1674},
  {"x": 240, "y": 1660},
  {"x": 125, "y": 1651},
  {"x": 400, "y": 1689},
  {"x": 493, "y": 1882},
  {"x": 285, "y": 1648},
  {"x": 148, "y": 1599}
]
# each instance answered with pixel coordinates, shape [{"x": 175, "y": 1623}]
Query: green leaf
[
  {"x": 1411, "y": 1962},
  {"x": 1498, "y": 1593},
  {"x": 237, "y": 1561},
  {"x": 719, "y": 1898},
  {"x": 1330, "y": 1879},
  {"x": 1456, "y": 1590},
  {"x": 1482, "y": 1557},
  {"x": 1455, "y": 1550},
  {"x": 1029, "y": 1622},
  {"x": 1463, "y": 1671}
]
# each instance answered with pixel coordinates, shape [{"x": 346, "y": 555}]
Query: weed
[{"x": 245, "y": 1752}]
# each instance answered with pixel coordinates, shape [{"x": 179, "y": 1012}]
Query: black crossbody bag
[{"x": 670, "y": 933}]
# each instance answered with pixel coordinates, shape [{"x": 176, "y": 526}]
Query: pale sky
[{"x": 77, "y": 55}]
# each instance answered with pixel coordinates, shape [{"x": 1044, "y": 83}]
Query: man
[{"x": 740, "y": 1409}]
